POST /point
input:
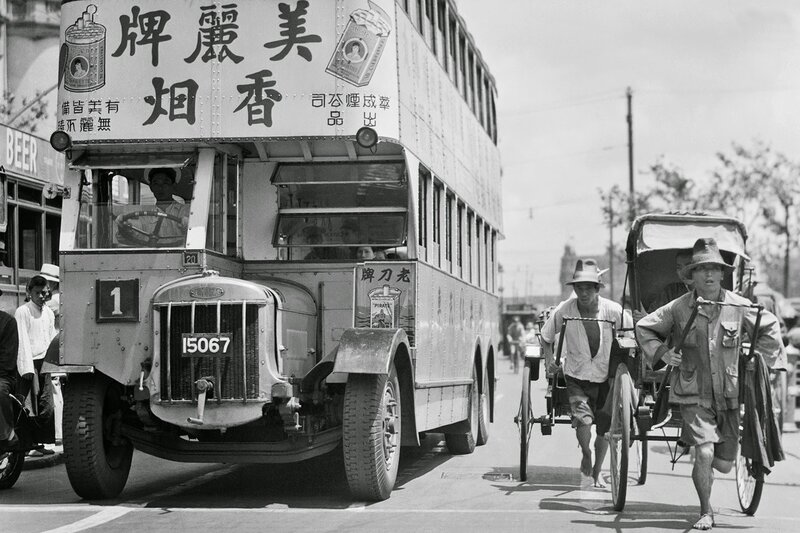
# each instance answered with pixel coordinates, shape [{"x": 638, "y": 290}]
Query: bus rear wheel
[
  {"x": 483, "y": 417},
  {"x": 98, "y": 458},
  {"x": 464, "y": 443},
  {"x": 371, "y": 434}
]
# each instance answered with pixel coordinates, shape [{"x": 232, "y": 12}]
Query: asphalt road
[{"x": 435, "y": 492}]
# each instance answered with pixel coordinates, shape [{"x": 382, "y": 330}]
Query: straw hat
[
  {"x": 586, "y": 271},
  {"x": 50, "y": 272},
  {"x": 705, "y": 252}
]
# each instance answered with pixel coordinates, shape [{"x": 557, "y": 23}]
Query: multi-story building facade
[{"x": 31, "y": 172}]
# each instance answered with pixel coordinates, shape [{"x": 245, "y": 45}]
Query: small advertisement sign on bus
[{"x": 196, "y": 69}]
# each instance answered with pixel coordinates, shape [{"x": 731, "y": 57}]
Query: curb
[
  {"x": 46, "y": 461},
  {"x": 35, "y": 463}
]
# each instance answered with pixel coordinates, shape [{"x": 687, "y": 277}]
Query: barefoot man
[
  {"x": 585, "y": 358},
  {"x": 706, "y": 381}
]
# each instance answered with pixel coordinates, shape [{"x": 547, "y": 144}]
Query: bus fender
[
  {"x": 368, "y": 350},
  {"x": 373, "y": 351}
]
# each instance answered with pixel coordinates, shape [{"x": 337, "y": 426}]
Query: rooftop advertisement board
[{"x": 154, "y": 69}]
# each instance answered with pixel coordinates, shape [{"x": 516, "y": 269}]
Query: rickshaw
[{"x": 652, "y": 244}]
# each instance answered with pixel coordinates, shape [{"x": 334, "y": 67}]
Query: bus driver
[{"x": 152, "y": 229}]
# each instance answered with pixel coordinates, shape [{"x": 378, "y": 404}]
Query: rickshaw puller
[
  {"x": 587, "y": 350},
  {"x": 706, "y": 384}
]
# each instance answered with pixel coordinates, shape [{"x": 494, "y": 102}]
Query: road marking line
[
  {"x": 98, "y": 519},
  {"x": 119, "y": 511}
]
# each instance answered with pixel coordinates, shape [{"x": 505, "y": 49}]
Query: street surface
[{"x": 435, "y": 492}]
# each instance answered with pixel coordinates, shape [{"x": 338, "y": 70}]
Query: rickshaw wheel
[
  {"x": 371, "y": 434},
  {"x": 619, "y": 436},
  {"x": 10, "y": 467},
  {"x": 748, "y": 488},
  {"x": 640, "y": 445},
  {"x": 524, "y": 422}
]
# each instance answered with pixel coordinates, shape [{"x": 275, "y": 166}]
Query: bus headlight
[
  {"x": 366, "y": 137},
  {"x": 60, "y": 140}
]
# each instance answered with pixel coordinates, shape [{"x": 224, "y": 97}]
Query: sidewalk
[{"x": 45, "y": 461}]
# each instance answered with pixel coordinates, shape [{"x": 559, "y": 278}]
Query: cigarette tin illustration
[
  {"x": 85, "y": 66},
  {"x": 383, "y": 306},
  {"x": 360, "y": 47}
]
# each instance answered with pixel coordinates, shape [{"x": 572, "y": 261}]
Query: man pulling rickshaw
[
  {"x": 706, "y": 382},
  {"x": 587, "y": 349}
]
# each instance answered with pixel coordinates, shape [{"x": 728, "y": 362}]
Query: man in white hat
[
  {"x": 707, "y": 384},
  {"x": 50, "y": 273},
  {"x": 586, "y": 356}
]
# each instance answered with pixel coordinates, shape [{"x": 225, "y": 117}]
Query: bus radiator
[{"x": 235, "y": 375}]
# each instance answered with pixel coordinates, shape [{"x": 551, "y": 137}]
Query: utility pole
[
  {"x": 610, "y": 249},
  {"x": 631, "y": 200}
]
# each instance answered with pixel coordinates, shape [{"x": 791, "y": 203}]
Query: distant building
[
  {"x": 29, "y": 31},
  {"x": 30, "y": 204}
]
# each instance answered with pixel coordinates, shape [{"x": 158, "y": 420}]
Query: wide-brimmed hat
[
  {"x": 50, "y": 272},
  {"x": 587, "y": 271},
  {"x": 705, "y": 252}
]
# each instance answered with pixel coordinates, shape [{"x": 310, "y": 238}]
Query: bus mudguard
[{"x": 368, "y": 350}]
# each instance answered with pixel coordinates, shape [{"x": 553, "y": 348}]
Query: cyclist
[{"x": 515, "y": 335}]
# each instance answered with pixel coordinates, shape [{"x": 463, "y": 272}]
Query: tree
[
  {"x": 760, "y": 187},
  {"x": 29, "y": 118},
  {"x": 756, "y": 185}
]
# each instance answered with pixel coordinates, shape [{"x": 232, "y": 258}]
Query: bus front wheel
[
  {"x": 98, "y": 458},
  {"x": 371, "y": 434}
]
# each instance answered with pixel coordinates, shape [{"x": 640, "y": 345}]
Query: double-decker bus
[{"x": 282, "y": 234}]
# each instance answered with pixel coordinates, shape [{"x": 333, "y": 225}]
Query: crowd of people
[{"x": 25, "y": 338}]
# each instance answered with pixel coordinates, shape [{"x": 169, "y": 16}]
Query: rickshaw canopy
[{"x": 671, "y": 231}]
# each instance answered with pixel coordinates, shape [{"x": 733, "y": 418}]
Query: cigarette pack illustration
[
  {"x": 383, "y": 307},
  {"x": 84, "y": 67},
  {"x": 360, "y": 47}
]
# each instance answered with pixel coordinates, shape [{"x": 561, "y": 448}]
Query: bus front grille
[{"x": 235, "y": 376}]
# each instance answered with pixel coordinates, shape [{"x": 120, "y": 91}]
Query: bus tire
[
  {"x": 464, "y": 443},
  {"x": 97, "y": 467},
  {"x": 11, "y": 463},
  {"x": 371, "y": 434},
  {"x": 483, "y": 415}
]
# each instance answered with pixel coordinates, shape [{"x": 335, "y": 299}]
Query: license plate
[{"x": 206, "y": 344}]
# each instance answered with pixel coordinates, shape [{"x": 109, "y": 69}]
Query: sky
[{"x": 703, "y": 76}]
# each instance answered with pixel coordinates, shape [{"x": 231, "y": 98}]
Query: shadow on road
[{"x": 318, "y": 483}]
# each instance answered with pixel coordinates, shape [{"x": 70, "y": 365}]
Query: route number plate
[{"x": 206, "y": 345}]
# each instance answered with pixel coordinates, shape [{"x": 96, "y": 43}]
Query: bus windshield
[{"x": 136, "y": 207}]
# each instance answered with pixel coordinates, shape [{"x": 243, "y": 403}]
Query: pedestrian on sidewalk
[
  {"x": 586, "y": 359},
  {"x": 706, "y": 385},
  {"x": 36, "y": 326},
  {"x": 50, "y": 272}
]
